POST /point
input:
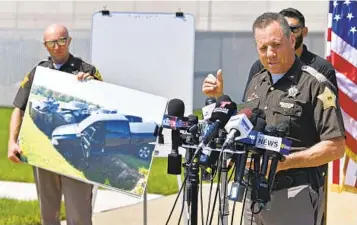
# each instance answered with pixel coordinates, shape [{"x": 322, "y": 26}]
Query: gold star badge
[{"x": 328, "y": 98}]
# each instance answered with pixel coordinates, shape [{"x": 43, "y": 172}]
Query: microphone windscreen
[
  {"x": 223, "y": 111},
  {"x": 223, "y": 98},
  {"x": 192, "y": 119},
  {"x": 259, "y": 112},
  {"x": 270, "y": 130},
  {"x": 260, "y": 125},
  {"x": 176, "y": 107},
  {"x": 283, "y": 128},
  {"x": 210, "y": 101}
]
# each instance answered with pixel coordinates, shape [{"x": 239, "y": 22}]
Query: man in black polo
[
  {"x": 50, "y": 186},
  {"x": 296, "y": 22}
]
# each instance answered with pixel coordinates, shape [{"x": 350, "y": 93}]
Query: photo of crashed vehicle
[
  {"x": 49, "y": 113},
  {"x": 87, "y": 130},
  {"x": 106, "y": 134}
]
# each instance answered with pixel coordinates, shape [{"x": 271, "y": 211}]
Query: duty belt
[
  {"x": 287, "y": 180},
  {"x": 313, "y": 176}
]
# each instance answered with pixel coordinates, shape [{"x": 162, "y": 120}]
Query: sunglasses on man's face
[
  {"x": 295, "y": 29},
  {"x": 60, "y": 42}
]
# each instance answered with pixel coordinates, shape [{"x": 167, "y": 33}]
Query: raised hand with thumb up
[{"x": 213, "y": 85}]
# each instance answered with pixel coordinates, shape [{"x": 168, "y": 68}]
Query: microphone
[
  {"x": 210, "y": 100},
  {"x": 210, "y": 103},
  {"x": 238, "y": 186},
  {"x": 191, "y": 136},
  {"x": 275, "y": 147},
  {"x": 193, "y": 124},
  {"x": 282, "y": 130},
  {"x": 259, "y": 113},
  {"x": 222, "y": 112},
  {"x": 260, "y": 190},
  {"x": 175, "y": 108},
  {"x": 239, "y": 126}
]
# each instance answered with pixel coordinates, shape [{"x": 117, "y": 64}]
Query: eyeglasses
[
  {"x": 295, "y": 29},
  {"x": 60, "y": 42}
]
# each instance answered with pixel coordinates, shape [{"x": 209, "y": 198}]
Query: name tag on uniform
[{"x": 286, "y": 105}]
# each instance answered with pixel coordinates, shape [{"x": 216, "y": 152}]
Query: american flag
[{"x": 342, "y": 53}]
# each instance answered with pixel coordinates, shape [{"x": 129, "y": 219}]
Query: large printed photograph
[{"x": 91, "y": 131}]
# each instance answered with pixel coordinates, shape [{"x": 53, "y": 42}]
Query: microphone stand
[
  {"x": 185, "y": 198},
  {"x": 192, "y": 183},
  {"x": 224, "y": 188},
  {"x": 193, "y": 193}
]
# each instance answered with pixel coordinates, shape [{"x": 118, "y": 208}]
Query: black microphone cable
[
  {"x": 183, "y": 205},
  {"x": 185, "y": 190},
  {"x": 201, "y": 197},
  {"x": 218, "y": 191},
  {"x": 219, "y": 161},
  {"x": 182, "y": 187},
  {"x": 209, "y": 199},
  {"x": 245, "y": 198}
]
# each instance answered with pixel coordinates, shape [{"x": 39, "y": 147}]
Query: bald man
[{"x": 50, "y": 186}]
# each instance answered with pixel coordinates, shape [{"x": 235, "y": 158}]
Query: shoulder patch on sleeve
[
  {"x": 25, "y": 80},
  {"x": 319, "y": 76},
  {"x": 328, "y": 98},
  {"x": 98, "y": 75}
]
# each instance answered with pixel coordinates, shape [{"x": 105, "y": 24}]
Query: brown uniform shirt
[
  {"x": 73, "y": 65},
  {"x": 304, "y": 99}
]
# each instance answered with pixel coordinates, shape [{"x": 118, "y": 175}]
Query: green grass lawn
[
  {"x": 8, "y": 170},
  {"x": 14, "y": 212}
]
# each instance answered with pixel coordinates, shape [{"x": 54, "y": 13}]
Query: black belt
[{"x": 288, "y": 180}]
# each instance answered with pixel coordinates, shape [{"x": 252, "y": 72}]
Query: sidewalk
[
  {"x": 105, "y": 199},
  {"x": 341, "y": 211},
  {"x": 159, "y": 210},
  {"x": 112, "y": 208}
]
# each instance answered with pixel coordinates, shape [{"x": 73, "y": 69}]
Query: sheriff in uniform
[
  {"x": 295, "y": 94},
  {"x": 305, "y": 100},
  {"x": 296, "y": 22}
]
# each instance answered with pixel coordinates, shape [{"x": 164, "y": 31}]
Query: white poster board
[
  {"x": 150, "y": 52},
  {"x": 73, "y": 128}
]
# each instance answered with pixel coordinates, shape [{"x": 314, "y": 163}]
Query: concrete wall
[{"x": 223, "y": 35}]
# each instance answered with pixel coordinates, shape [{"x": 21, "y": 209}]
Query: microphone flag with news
[{"x": 175, "y": 123}]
